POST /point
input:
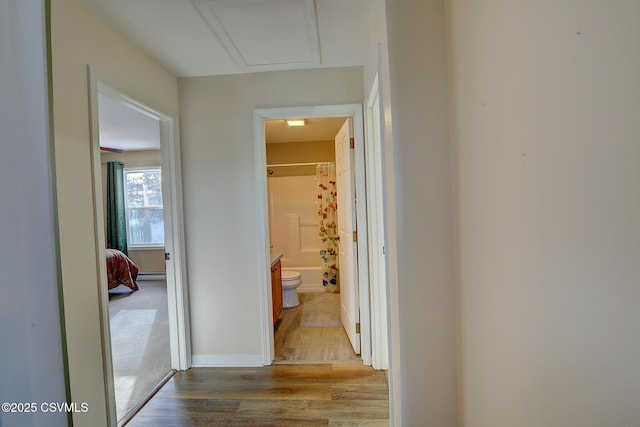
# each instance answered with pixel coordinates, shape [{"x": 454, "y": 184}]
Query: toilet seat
[{"x": 290, "y": 275}]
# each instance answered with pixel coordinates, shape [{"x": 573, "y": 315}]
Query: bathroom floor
[{"x": 296, "y": 344}]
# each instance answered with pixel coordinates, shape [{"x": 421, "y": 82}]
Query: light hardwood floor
[
  {"x": 278, "y": 395},
  {"x": 338, "y": 392},
  {"x": 295, "y": 344}
]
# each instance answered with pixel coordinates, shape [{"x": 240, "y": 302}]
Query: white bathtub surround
[{"x": 294, "y": 227}]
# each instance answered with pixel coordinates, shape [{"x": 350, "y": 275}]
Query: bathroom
[
  {"x": 294, "y": 225},
  {"x": 294, "y": 155}
]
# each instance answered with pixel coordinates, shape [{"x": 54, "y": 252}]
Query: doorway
[
  {"x": 137, "y": 291},
  {"x": 304, "y": 224},
  {"x": 360, "y": 294},
  {"x": 170, "y": 292}
]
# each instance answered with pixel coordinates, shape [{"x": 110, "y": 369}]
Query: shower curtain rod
[{"x": 299, "y": 164}]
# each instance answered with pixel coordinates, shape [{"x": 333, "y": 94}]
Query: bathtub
[{"x": 311, "y": 278}]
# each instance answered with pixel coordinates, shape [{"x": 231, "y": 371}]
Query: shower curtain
[{"x": 327, "y": 211}]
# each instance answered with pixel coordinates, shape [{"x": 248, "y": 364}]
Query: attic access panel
[{"x": 265, "y": 34}]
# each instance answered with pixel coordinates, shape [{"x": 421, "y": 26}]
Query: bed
[{"x": 120, "y": 270}]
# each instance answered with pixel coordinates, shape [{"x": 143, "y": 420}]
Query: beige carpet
[
  {"x": 321, "y": 310},
  {"x": 139, "y": 341}
]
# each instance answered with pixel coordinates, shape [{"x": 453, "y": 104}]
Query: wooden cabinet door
[{"x": 276, "y": 289}]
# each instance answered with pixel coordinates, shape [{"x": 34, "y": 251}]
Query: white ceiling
[
  {"x": 124, "y": 128},
  {"x": 212, "y": 37}
]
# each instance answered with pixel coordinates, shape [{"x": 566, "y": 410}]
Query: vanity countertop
[{"x": 275, "y": 256}]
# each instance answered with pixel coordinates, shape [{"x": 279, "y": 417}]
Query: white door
[
  {"x": 348, "y": 255},
  {"x": 376, "y": 232}
]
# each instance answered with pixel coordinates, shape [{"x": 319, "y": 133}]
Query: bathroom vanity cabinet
[{"x": 276, "y": 289}]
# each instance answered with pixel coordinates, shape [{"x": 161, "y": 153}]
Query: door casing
[
  {"x": 378, "y": 248},
  {"x": 262, "y": 215},
  {"x": 177, "y": 297}
]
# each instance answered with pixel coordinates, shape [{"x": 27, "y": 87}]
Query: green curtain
[{"x": 116, "y": 214}]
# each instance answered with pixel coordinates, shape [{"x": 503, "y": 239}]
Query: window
[{"x": 143, "y": 202}]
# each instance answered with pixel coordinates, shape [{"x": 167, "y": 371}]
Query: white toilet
[{"x": 290, "y": 281}]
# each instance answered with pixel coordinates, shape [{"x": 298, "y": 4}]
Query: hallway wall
[
  {"x": 546, "y": 107},
  {"x": 32, "y": 359},
  {"x": 377, "y": 63},
  {"x": 79, "y": 39},
  {"x": 407, "y": 48},
  {"x": 220, "y": 198}
]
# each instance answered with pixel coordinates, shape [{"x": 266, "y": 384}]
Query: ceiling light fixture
[{"x": 296, "y": 122}]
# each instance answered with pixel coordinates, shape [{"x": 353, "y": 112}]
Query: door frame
[
  {"x": 376, "y": 202},
  {"x": 177, "y": 297},
  {"x": 262, "y": 215}
]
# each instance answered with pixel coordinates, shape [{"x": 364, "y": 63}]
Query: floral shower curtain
[
  {"x": 327, "y": 211},
  {"x": 116, "y": 220}
]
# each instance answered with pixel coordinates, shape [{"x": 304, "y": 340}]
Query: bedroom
[{"x": 130, "y": 160}]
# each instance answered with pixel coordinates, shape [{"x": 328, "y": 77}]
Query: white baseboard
[
  {"x": 226, "y": 360},
  {"x": 151, "y": 276},
  {"x": 310, "y": 287}
]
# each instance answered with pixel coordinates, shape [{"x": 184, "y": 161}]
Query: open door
[{"x": 348, "y": 253}]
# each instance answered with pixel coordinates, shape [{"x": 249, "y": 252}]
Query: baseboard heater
[{"x": 152, "y": 276}]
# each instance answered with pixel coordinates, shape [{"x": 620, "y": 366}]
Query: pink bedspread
[{"x": 121, "y": 270}]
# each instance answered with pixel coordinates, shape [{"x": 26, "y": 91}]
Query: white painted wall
[
  {"x": 413, "y": 75},
  {"x": 546, "y": 114},
  {"x": 220, "y": 198},
  {"x": 32, "y": 367},
  {"x": 377, "y": 61},
  {"x": 79, "y": 39}
]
